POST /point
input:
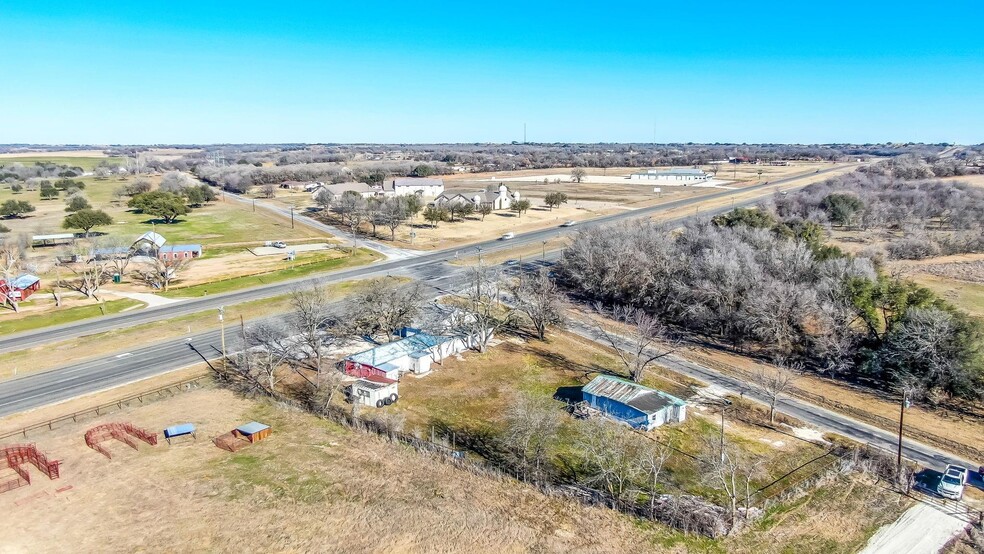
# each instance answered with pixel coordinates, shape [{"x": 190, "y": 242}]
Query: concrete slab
[{"x": 271, "y": 251}]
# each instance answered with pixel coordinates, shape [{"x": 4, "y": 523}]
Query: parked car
[
  {"x": 568, "y": 223},
  {"x": 280, "y": 244},
  {"x": 507, "y": 236},
  {"x": 952, "y": 484}
]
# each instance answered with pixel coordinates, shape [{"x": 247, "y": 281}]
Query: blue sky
[{"x": 204, "y": 72}]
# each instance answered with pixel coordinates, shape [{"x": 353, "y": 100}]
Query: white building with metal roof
[{"x": 672, "y": 176}]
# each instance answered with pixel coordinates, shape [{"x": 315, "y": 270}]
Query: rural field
[
  {"x": 326, "y": 488},
  {"x": 225, "y": 228},
  {"x": 586, "y": 200}
]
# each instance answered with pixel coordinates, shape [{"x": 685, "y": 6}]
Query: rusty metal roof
[{"x": 631, "y": 394}]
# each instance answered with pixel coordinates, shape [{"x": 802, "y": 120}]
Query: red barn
[{"x": 19, "y": 288}]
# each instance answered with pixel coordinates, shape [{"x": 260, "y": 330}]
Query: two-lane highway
[{"x": 129, "y": 319}]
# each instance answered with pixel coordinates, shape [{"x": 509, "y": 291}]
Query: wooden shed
[{"x": 253, "y": 431}]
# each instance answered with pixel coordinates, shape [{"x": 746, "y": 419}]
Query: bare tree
[
  {"x": 393, "y": 213},
  {"x": 480, "y": 315},
  {"x": 324, "y": 198},
  {"x": 732, "y": 471},
  {"x": 611, "y": 454},
  {"x": 638, "y": 338},
  {"x": 382, "y": 306},
  {"x": 774, "y": 381},
  {"x": 578, "y": 174},
  {"x": 159, "y": 274},
  {"x": 313, "y": 320},
  {"x": 326, "y": 388},
  {"x": 88, "y": 272},
  {"x": 116, "y": 250},
  {"x": 651, "y": 461},
  {"x": 259, "y": 367},
  {"x": 531, "y": 425},
  {"x": 540, "y": 299},
  {"x": 12, "y": 256}
]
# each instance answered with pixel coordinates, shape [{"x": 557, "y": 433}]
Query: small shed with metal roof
[
  {"x": 253, "y": 431},
  {"x": 639, "y": 406}
]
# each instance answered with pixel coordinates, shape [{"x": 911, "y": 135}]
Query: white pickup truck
[{"x": 952, "y": 483}]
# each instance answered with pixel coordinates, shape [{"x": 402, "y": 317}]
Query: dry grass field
[{"x": 313, "y": 486}]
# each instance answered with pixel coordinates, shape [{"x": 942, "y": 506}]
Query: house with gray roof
[
  {"x": 497, "y": 200},
  {"x": 336, "y": 190}
]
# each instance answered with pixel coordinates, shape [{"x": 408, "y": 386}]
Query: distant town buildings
[{"x": 672, "y": 176}]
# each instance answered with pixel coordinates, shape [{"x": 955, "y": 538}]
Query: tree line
[
  {"x": 925, "y": 217},
  {"x": 774, "y": 289}
]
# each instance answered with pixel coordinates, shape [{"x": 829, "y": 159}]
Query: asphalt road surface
[{"x": 56, "y": 333}]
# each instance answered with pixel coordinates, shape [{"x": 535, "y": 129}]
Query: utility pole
[
  {"x": 479, "y": 256},
  {"x": 222, "y": 331},
  {"x": 292, "y": 217},
  {"x": 544, "y": 254},
  {"x": 905, "y": 403},
  {"x": 722, "y": 434}
]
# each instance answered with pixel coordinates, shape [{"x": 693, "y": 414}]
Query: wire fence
[{"x": 108, "y": 407}]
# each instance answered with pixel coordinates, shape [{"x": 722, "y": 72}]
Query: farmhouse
[
  {"x": 631, "y": 403},
  {"x": 500, "y": 200},
  {"x": 412, "y": 354},
  {"x": 402, "y": 186},
  {"x": 671, "y": 176},
  {"x": 154, "y": 245},
  {"x": 374, "y": 391},
  {"x": 19, "y": 288}
]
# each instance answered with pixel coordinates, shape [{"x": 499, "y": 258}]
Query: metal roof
[
  {"x": 385, "y": 353},
  {"x": 341, "y": 188},
  {"x": 252, "y": 427},
  {"x": 151, "y": 237},
  {"x": 677, "y": 171},
  {"x": 177, "y": 430},
  {"x": 632, "y": 394},
  {"x": 57, "y": 236},
  {"x": 182, "y": 248},
  {"x": 24, "y": 281},
  {"x": 374, "y": 382},
  {"x": 414, "y": 182}
]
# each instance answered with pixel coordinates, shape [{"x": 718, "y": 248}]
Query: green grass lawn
[
  {"x": 85, "y": 162},
  {"x": 361, "y": 257},
  {"x": 969, "y": 297},
  {"x": 221, "y": 222},
  {"x": 67, "y": 315}
]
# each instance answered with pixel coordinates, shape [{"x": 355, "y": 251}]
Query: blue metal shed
[{"x": 639, "y": 406}]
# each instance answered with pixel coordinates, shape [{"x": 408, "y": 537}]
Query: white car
[
  {"x": 952, "y": 484},
  {"x": 280, "y": 244},
  {"x": 568, "y": 223},
  {"x": 508, "y": 236}
]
